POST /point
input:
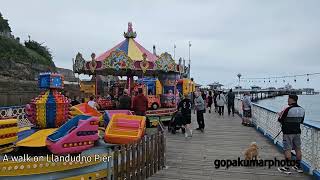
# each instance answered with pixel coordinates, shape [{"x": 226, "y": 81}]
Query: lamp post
[
  {"x": 174, "y": 51},
  {"x": 239, "y": 76},
  {"x": 189, "y": 60}
]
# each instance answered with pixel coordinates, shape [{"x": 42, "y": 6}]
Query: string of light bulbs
[{"x": 254, "y": 79}]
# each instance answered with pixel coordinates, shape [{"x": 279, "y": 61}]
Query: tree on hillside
[
  {"x": 39, "y": 48},
  {"x": 4, "y": 25}
]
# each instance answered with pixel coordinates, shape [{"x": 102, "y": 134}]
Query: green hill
[{"x": 19, "y": 61}]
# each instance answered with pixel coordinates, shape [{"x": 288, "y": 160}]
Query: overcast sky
[{"x": 253, "y": 37}]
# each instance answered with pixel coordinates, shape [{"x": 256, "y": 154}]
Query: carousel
[{"x": 157, "y": 75}]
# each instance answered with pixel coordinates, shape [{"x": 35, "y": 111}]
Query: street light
[
  {"x": 174, "y": 51},
  {"x": 189, "y": 59},
  {"x": 239, "y": 76}
]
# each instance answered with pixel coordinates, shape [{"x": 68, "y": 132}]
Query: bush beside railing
[{"x": 266, "y": 121}]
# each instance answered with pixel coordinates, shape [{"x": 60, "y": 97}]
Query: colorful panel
[
  {"x": 50, "y": 111},
  {"x": 124, "y": 46},
  {"x": 107, "y": 53},
  {"x": 50, "y": 80},
  {"x": 134, "y": 52},
  {"x": 150, "y": 56}
]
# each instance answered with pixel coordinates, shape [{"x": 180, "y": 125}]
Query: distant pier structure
[
  {"x": 309, "y": 91},
  {"x": 258, "y": 93}
]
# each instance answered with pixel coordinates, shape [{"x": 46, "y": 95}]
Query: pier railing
[
  {"x": 266, "y": 121},
  {"x": 139, "y": 160}
]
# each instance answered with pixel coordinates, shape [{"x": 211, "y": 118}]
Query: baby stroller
[{"x": 176, "y": 123}]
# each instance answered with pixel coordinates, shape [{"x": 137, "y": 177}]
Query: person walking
[
  {"x": 221, "y": 100},
  {"x": 210, "y": 101},
  {"x": 230, "y": 102},
  {"x": 200, "y": 108},
  {"x": 125, "y": 100},
  {"x": 185, "y": 107},
  {"x": 215, "y": 94},
  {"x": 246, "y": 107},
  {"x": 140, "y": 103},
  {"x": 290, "y": 119},
  {"x": 204, "y": 97}
]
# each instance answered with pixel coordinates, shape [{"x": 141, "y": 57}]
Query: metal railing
[
  {"x": 15, "y": 112},
  {"x": 266, "y": 121}
]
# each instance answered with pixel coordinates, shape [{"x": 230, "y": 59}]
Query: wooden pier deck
[{"x": 224, "y": 138}]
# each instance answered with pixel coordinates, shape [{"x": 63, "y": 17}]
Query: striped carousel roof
[{"x": 131, "y": 47}]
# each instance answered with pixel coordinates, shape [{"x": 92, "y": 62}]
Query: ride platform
[{"x": 160, "y": 115}]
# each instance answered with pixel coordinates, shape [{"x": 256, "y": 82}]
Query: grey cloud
[{"x": 256, "y": 38}]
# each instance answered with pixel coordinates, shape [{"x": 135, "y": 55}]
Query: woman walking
[
  {"x": 200, "y": 107},
  {"x": 221, "y": 100},
  {"x": 210, "y": 99}
]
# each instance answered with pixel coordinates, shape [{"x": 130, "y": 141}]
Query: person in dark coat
[
  {"x": 230, "y": 102},
  {"x": 125, "y": 100},
  {"x": 140, "y": 103},
  {"x": 210, "y": 101},
  {"x": 185, "y": 107}
]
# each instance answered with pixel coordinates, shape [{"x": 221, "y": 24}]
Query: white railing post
[{"x": 312, "y": 160}]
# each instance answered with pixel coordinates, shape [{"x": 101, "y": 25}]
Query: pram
[{"x": 176, "y": 123}]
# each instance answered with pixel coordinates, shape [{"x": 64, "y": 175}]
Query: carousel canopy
[
  {"x": 132, "y": 49},
  {"x": 128, "y": 58}
]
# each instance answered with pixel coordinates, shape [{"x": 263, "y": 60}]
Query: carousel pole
[
  {"x": 96, "y": 86},
  {"x": 129, "y": 85}
]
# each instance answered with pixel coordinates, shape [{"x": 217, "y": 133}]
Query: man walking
[
  {"x": 290, "y": 119},
  {"x": 230, "y": 100},
  {"x": 200, "y": 108}
]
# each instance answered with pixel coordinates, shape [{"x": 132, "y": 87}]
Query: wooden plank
[
  {"x": 122, "y": 162},
  {"x": 115, "y": 163},
  {"x": 127, "y": 175},
  {"x": 109, "y": 165},
  {"x": 143, "y": 159},
  {"x": 163, "y": 143},
  {"x": 151, "y": 154},
  {"x": 156, "y": 151},
  {"x": 134, "y": 159},
  {"x": 159, "y": 150},
  {"x": 147, "y": 156},
  {"x": 138, "y": 149}
]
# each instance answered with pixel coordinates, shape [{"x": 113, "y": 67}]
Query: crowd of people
[
  {"x": 290, "y": 118},
  {"x": 200, "y": 101}
]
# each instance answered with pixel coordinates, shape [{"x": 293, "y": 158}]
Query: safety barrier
[
  {"x": 266, "y": 121},
  {"x": 15, "y": 112},
  {"x": 139, "y": 160}
]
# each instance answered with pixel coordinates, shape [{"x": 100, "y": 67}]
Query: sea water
[{"x": 311, "y": 104}]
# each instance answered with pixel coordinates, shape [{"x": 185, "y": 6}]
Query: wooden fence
[{"x": 139, "y": 160}]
